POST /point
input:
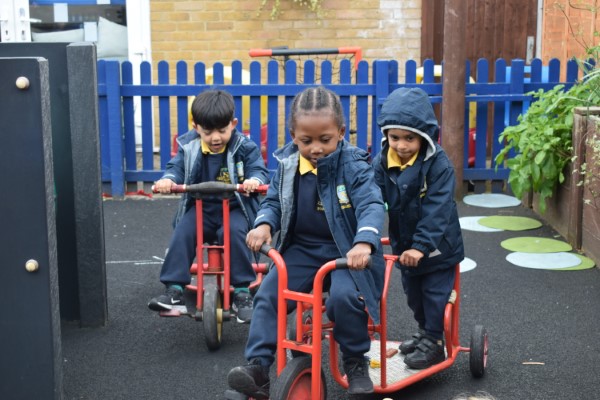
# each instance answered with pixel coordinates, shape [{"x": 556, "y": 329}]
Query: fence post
[
  {"x": 115, "y": 134},
  {"x": 381, "y": 79}
]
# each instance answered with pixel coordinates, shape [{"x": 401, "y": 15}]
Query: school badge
[
  {"x": 240, "y": 170},
  {"x": 343, "y": 196}
]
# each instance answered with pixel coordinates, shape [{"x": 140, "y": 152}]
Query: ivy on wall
[{"x": 275, "y": 5}]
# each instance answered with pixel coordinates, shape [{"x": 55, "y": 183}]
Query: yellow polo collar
[
  {"x": 394, "y": 160},
  {"x": 305, "y": 166}
]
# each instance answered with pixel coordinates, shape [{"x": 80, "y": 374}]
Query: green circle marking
[
  {"x": 586, "y": 263},
  {"x": 510, "y": 223},
  {"x": 527, "y": 244}
]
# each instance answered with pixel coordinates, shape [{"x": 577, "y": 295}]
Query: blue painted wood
[
  {"x": 382, "y": 89},
  {"x": 290, "y": 79},
  {"x": 115, "y": 137},
  {"x": 128, "y": 117},
  {"x": 346, "y": 72},
  {"x": 410, "y": 76},
  {"x": 326, "y": 73},
  {"x": 517, "y": 77},
  {"x": 481, "y": 118},
  {"x": 181, "y": 69},
  {"x": 103, "y": 122},
  {"x": 362, "y": 109},
  {"x": 468, "y": 128},
  {"x": 164, "y": 114},
  {"x": 272, "y": 115},
  {"x": 360, "y": 98},
  {"x": 499, "y": 111},
  {"x": 147, "y": 123},
  {"x": 255, "y": 112}
]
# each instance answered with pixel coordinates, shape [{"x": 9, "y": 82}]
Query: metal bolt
[
  {"x": 32, "y": 266},
  {"x": 22, "y": 83}
]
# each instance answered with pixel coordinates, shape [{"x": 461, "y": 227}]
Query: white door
[{"x": 140, "y": 49}]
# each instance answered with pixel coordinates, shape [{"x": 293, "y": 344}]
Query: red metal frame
[
  {"x": 357, "y": 51},
  {"x": 218, "y": 256},
  {"x": 317, "y": 330}
]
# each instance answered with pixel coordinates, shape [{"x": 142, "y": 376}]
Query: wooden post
[{"x": 453, "y": 95}]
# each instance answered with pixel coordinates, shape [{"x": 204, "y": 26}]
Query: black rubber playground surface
[{"x": 543, "y": 325}]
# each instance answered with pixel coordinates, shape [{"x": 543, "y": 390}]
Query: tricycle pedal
[{"x": 176, "y": 311}]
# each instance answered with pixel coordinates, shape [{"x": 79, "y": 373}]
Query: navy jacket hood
[{"x": 410, "y": 109}]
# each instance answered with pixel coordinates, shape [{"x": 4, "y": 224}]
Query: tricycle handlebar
[
  {"x": 213, "y": 188},
  {"x": 342, "y": 263},
  {"x": 265, "y": 248}
]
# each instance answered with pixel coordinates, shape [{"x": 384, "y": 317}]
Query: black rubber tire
[
  {"x": 212, "y": 317},
  {"x": 294, "y": 383},
  {"x": 479, "y": 351}
]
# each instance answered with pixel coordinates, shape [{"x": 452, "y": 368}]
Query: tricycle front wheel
[
  {"x": 295, "y": 380},
  {"x": 212, "y": 317}
]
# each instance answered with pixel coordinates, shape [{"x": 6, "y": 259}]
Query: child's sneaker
[
  {"x": 408, "y": 346},
  {"x": 171, "y": 298},
  {"x": 357, "y": 373},
  {"x": 428, "y": 352},
  {"x": 251, "y": 380},
  {"x": 243, "y": 306}
]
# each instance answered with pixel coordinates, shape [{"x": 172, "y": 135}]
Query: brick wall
[
  {"x": 224, "y": 30},
  {"x": 564, "y": 33}
]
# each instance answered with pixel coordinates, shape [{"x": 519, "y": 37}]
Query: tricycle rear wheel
[
  {"x": 479, "y": 351},
  {"x": 212, "y": 317},
  {"x": 295, "y": 380}
]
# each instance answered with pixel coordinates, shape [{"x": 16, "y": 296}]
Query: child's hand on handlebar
[
  {"x": 358, "y": 256},
  {"x": 258, "y": 236},
  {"x": 250, "y": 185},
  {"x": 163, "y": 185}
]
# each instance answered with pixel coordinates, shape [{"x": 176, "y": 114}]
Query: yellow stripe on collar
[
  {"x": 305, "y": 166},
  {"x": 394, "y": 160}
]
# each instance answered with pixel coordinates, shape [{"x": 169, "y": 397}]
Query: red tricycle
[
  {"x": 208, "y": 301},
  {"x": 302, "y": 377}
]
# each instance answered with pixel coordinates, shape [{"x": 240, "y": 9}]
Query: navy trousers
[
  {"x": 427, "y": 296},
  {"x": 182, "y": 249},
  {"x": 344, "y": 306}
]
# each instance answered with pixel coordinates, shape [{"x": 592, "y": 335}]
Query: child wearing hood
[{"x": 417, "y": 181}]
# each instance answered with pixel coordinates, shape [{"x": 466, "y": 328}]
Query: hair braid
[{"x": 316, "y": 99}]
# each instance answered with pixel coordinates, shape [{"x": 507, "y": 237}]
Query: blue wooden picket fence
[{"x": 362, "y": 91}]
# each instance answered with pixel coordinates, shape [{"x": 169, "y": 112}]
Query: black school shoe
[
  {"x": 251, "y": 379},
  {"x": 357, "y": 373},
  {"x": 427, "y": 353},
  {"x": 408, "y": 346}
]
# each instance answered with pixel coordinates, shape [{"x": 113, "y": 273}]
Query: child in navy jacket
[
  {"x": 212, "y": 151},
  {"x": 417, "y": 181},
  {"x": 324, "y": 203}
]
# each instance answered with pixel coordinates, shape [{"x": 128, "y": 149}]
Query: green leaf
[{"x": 539, "y": 157}]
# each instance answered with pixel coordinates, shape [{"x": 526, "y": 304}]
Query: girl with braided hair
[{"x": 325, "y": 204}]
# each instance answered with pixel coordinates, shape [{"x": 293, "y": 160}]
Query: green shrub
[{"x": 542, "y": 138}]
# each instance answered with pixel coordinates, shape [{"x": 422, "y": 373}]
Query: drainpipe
[{"x": 538, "y": 32}]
